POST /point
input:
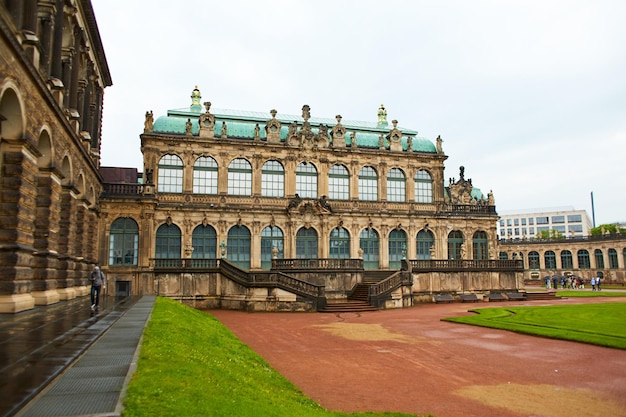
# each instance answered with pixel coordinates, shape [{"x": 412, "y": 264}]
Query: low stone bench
[
  {"x": 444, "y": 298},
  {"x": 516, "y": 296},
  {"x": 469, "y": 298},
  {"x": 495, "y": 297}
]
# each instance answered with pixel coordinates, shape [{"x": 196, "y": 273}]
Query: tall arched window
[
  {"x": 613, "y": 258},
  {"x": 455, "y": 241},
  {"x": 583, "y": 259},
  {"x": 599, "y": 256},
  {"x": 533, "y": 260},
  {"x": 397, "y": 248},
  {"x": 123, "y": 242},
  {"x": 480, "y": 245},
  {"x": 339, "y": 243},
  {"x": 396, "y": 185},
  {"x": 239, "y": 177},
  {"x": 550, "y": 259},
  {"x": 306, "y": 180},
  {"x": 204, "y": 242},
  {"x": 271, "y": 237},
  {"x": 205, "y": 176},
  {"x": 238, "y": 246},
  {"x": 170, "y": 174},
  {"x": 425, "y": 241},
  {"x": 338, "y": 183},
  {"x": 306, "y": 243},
  {"x": 566, "y": 260},
  {"x": 168, "y": 242},
  {"x": 368, "y": 184},
  {"x": 423, "y": 186},
  {"x": 273, "y": 179},
  {"x": 370, "y": 246}
]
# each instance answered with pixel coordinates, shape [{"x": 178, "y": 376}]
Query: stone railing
[
  {"x": 115, "y": 189},
  {"x": 311, "y": 264},
  {"x": 456, "y": 265}
]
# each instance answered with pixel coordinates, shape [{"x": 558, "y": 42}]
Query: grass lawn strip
[
  {"x": 599, "y": 324},
  {"x": 191, "y": 365}
]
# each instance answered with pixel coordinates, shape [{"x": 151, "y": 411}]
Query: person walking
[
  {"x": 97, "y": 281},
  {"x": 593, "y": 283},
  {"x": 598, "y": 283}
]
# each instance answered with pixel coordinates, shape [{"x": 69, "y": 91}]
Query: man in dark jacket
[{"x": 97, "y": 281}]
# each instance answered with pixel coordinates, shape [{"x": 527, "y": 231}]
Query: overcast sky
[{"x": 529, "y": 96}]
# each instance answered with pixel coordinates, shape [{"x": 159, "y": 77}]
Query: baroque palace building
[
  {"x": 239, "y": 207},
  {"x": 53, "y": 73}
]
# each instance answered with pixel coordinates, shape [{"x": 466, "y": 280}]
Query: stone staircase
[{"x": 357, "y": 302}]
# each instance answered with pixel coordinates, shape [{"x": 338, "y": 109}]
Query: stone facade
[{"x": 52, "y": 77}]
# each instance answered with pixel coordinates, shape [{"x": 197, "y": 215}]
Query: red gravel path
[{"x": 408, "y": 360}]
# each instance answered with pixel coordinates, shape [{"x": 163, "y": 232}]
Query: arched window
[
  {"x": 455, "y": 242},
  {"x": 397, "y": 248},
  {"x": 368, "y": 184},
  {"x": 339, "y": 243},
  {"x": 613, "y": 258},
  {"x": 583, "y": 259},
  {"x": 533, "y": 260},
  {"x": 503, "y": 255},
  {"x": 425, "y": 240},
  {"x": 306, "y": 243},
  {"x": 550, "y": 259},
  {"x": 306, "y": 180},
  {"x": 566, "y": 260},
  {"x": 204, "y": 242},
  {"x": 123, "y": 242},
  {"x": 168, "y": 242},
  {"x": 273, "y": 179},
  {"x": 239, "y": 177},
  {"x": 423, "y": 185},
  {"x": 480, "y": 245},
  {"x": 369, "y": 244},
  {"x": 338, "y": 183},
  {"x": 170, "y": 174},
  {"x": 238, "y": 246},
  {"x": 599, "y": 258},
  {"x": 271, "y": 237},
  {"x": 396, "y": 185},
  {"x": 205, "y": 176}
]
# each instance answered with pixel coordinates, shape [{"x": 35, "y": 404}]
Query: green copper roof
[{"x": 241, "y": 124}]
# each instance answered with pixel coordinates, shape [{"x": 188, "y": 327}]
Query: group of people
[{"x": 572, "y": 281}]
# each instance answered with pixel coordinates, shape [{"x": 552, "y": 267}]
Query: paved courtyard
[{"x": 408, "y": 360}]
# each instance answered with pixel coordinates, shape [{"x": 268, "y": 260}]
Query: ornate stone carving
[
  {"x": 207, "y": 122},
  {"x": 224, "y": 130},
  {"x": 148, "y": 124},
  {"x": 439, "y": 145},
  {"x": 395, "y": 138},
  {"x": 338, "y": 134},
  {"x": 188, "y": 127},
  {"x": 257, "y": 133},
  {"x": 272, "y": 128}
]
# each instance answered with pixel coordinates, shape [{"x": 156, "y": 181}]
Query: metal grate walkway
[{"x": 94, "y": 384}]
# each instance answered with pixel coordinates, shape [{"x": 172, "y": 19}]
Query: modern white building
[{"x": 525, "y": 224}]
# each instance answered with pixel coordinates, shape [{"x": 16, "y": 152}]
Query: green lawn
[
  {"x": 579, "y": 293},
  {"x": 599, "y": 324},
  {"x": 191, "y": 365}
]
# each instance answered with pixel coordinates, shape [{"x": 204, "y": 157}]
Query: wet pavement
[{"x": 38, "y": 345}]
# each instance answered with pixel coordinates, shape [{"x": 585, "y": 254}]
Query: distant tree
[
  {"x": 607, "y": 229},
  {"x": 549, "y": 234}
]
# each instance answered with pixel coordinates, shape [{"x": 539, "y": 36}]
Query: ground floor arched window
[
  {"x": 425, "y": 241},
  {"x": 123, "y": 242},
  {"x": 306, "y": 243},
  {"x": 480, "y": 245},
  {"x": 566, "y": 260},
  {"x": 369, "y": 244},
  {"x": 204, "y": 242},
  {"x": 339, "y": 243},
  {"x": 533, "y": 260},
  {"x": 168, "y": 242},
  {"x": 599, "y": 258},
  {"x": 272, "y": 240},
  {"x": 397, "y": 248},
  {"x": 550, "y": 259},
  {"x": 583, "y": 259},
  {"x": 238, "y": 246},
  {"x": 455, "y": 243}
]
